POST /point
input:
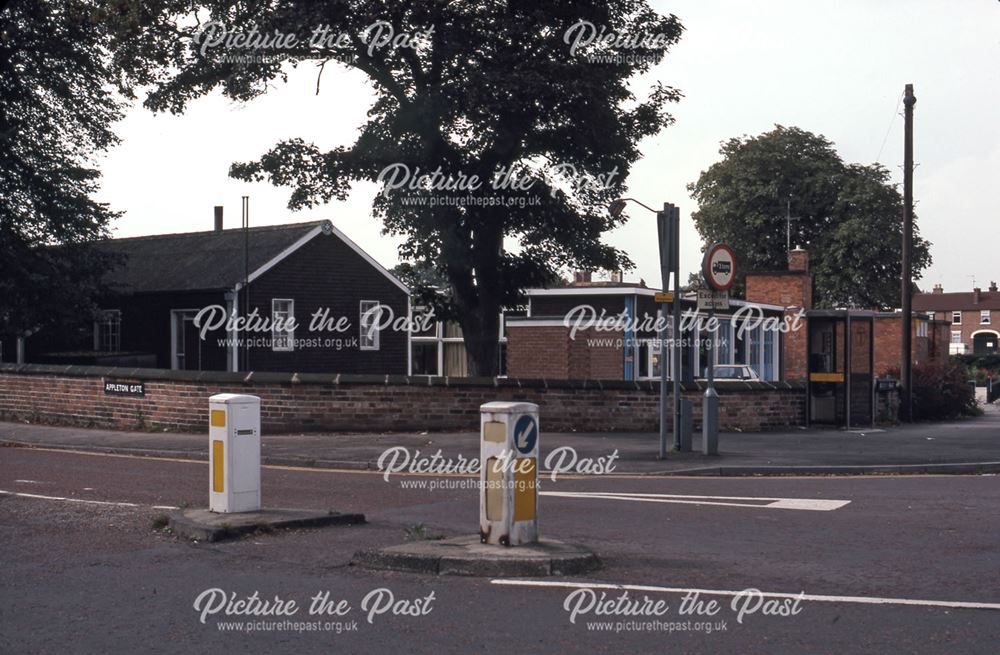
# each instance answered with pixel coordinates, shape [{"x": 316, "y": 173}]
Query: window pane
[
  {"x": 455, "y": 363},
  {"x": 425, "y": 358}
]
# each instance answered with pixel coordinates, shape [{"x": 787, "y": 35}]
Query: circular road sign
[{"x": 719, "y": 267}]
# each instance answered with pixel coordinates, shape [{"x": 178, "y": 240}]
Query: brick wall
[
  {"x": 926, "y": 350},
  {"x": 547, "y": 352},
  {"x": 178, "y": 400}
]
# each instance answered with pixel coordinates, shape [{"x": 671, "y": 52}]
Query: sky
[{"x": 834, "y": 67}]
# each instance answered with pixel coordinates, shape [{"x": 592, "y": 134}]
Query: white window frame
[
  {"x": 282, "y": 341},
  {"x": 366, "y": 307},
  {"x": 984, "y": 317},
  {"x": 957, "y": 315},
  {"x": 105, "y": 320},
  {"x": 956, "y": 336}
]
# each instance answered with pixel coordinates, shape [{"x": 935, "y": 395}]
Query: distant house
[
  {"x": 272, "y": 272},
  {"x": 974, "y": 317}
]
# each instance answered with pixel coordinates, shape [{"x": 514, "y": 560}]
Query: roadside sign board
[
  {"x": 664, "y": 297},
  {"x": 708, "y": 299},
  {"x": 718, "y": 267}
]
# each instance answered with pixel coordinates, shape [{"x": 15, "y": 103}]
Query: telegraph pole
[{"x": 905, "y": 371}]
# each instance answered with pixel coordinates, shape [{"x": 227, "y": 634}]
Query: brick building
[{"x": 973, "y": 317}]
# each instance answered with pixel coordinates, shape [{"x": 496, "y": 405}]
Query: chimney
[
  {"x": 798, "y": 260},
  {"x": 975, "y": 295},
  {"x": 581, "y": 277},
  {"x": 938, "y": 288},
  {"x": 616, "y": 277},
  {"x": 218, "y": 218},
  {"x": 993, "y": 287}
]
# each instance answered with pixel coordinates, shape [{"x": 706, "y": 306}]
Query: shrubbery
[
  {"x": 980, "y": 367},
  {"x": 942, "y": 392}
]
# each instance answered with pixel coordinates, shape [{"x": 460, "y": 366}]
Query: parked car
[{"x": 735, "y": 372}]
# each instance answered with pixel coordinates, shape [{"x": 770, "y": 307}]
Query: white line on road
[
  {"x": 864, "y": 600},
  {"x": 811, "y": 504},
  {"x": 81, "y": 500}
]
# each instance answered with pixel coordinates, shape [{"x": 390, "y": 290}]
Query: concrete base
[
  {"x": 467, "y": 556},
  {"x": 203, "y": 525}
]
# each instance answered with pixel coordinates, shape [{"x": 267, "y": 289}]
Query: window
[
  {"x": 425, "y": 358},
  {"x": 108, "y": 331},
  {"x": 282, "y": 324},
  {"x": 921, "y": 328},
  {"x": 371, "y": 311},
  {"x": 956, "y": 337},
  {"x": 956, "y": 318},
  {"x": 984, "y": 317}
]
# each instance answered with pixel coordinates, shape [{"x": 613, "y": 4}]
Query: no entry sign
[{"x": 719, "y": 267}]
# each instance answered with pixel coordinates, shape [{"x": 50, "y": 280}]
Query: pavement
[{"x": 965, "y": 446}]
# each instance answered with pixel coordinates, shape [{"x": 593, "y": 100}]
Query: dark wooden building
[{"x": 338, "y": 295}]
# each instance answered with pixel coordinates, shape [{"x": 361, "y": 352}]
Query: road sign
[
  {"x": 664, "y": 297},
  {"x": 708, "y": 299},
  {"x": 719, "y": 267},
  {"x": 525, "y": 434}
]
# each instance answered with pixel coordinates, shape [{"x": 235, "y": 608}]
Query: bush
[
  {"x": 941, "y": 392},
  {"x": 980, "y": 367}
]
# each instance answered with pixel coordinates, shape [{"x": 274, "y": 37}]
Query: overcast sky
[{"x": 835, "y": 67}]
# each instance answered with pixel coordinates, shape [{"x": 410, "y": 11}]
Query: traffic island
[
  {"x": 469, "y": 556},
  {"x": 205, "y": 525}
]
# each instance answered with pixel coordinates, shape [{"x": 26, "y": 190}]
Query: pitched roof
[
  {"x": 951, "y": 302},
  {"x": 199, "y": 260}
]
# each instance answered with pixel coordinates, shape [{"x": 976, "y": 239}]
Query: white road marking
[
  {"x": 29, "y": 482},
  {"x": 82, "y": 500},
  {"x": 864, "y": 600},
  {"x": 811, "y": 504}
]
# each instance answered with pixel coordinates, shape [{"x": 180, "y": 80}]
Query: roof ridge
[{"x": 257, "y": 228}]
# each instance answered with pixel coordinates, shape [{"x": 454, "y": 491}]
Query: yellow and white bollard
[
  {"x": 234, "y": 453},
  {"x": 508, "y": 455}
]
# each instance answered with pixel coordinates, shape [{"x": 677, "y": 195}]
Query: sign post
[{"x": 719, "y": 270}]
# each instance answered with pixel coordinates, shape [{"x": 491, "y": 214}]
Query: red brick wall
[
  {"x": 178, "y": 401},
  {"x": 548, "y": 353},
  {"x": 782, "y": 289},
  {"x": 926, "y": 350}
]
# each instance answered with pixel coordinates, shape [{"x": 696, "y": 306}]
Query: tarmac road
[{"x": 86, "y": 577}]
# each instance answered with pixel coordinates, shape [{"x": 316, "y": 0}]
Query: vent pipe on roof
[{"x": 218, "y": 218}]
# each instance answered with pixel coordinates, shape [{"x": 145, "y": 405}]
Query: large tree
[
  {"x": 484, "y": 87},
  {"x": 849, "y": 216},
  {"x": 57, "y": 107}
]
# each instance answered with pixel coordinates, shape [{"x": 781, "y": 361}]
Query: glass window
[
  {"x": 425, "y": 358},
  {"x": 768, "y": 371},
  {"x": 455, "y": 361},
  {"x": 282, "y": 313},
  {"x": 371, "y": 312},
  {"x": 956, "y": 337},
  {"x": 956, "y": 318},
  {"x": 984, "y": 317},
  {"x": 108, "y": 331}
]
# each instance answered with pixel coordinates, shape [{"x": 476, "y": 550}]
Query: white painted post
[{"x": 508, "y": 456}]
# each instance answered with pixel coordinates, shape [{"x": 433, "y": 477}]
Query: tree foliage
[
  {"x": 849, "y": 216},
  {"x": 489, "y": 86},
  {"x": 57, "y": 107}
]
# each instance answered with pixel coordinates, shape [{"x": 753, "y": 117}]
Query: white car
[{"x": 735, "y": 372}]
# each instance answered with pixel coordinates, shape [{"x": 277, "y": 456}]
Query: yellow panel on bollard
[
  {"x": 508, "y": 449},
  {"x": 234, "y": 439},
  {"x": 526, "y": 489}
]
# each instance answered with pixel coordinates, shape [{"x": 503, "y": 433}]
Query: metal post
[
  {"x": 848, "y": 360},
  {"x": 905, "y": 371},
  {"x": 682, "y": 437},
  {"x": 663, "y": 224},
  {"x": 710, "y": 408}
]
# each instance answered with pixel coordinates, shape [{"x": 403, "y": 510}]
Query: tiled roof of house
[
  {"x": 952, "y": 302},
  {"x": 198, "y": 260}
]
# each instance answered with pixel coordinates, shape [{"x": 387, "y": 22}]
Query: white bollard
[
  {"x": 234, "y": 453},
  {"x": 508, "y": 455}
]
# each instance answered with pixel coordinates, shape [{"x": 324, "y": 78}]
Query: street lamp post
[{"x": 668, "y": 228}]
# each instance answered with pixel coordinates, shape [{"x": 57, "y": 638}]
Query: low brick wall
[{"x": 297, "y": 402}]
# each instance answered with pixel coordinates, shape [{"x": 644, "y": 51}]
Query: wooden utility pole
[{"x": 905, "y": 368}]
